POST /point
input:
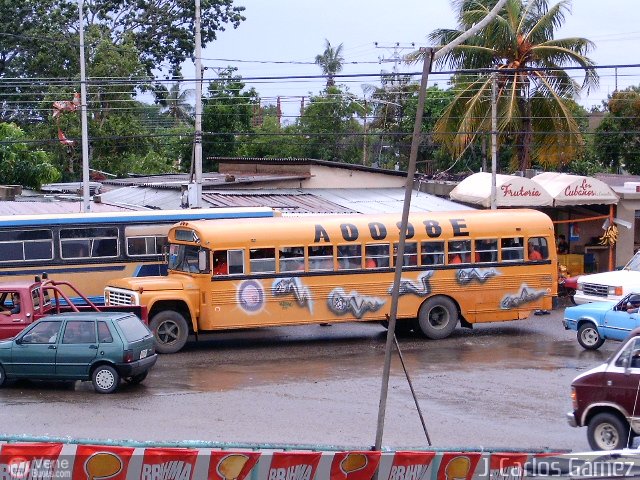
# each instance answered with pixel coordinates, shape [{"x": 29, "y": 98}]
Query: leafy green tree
[
  {"x": 331, "y": 62},
  {"x": 616, "y": 141},
  {"x": 271, "y": 140},
  {"x": 228, "y": 111},
  {"x": 534, "y": 89},
  {"x": 20, "y": 162},
  {"x": 41, "y": 35},
  {"x": 329, "y": 128},
  {"x": 175, "y": 103}
]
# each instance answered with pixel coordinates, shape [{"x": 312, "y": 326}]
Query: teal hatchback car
[{"x": 97, "y": 346}]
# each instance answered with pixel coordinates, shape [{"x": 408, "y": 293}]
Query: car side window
[
  {"x": 626, "y": 357},
  {"x": 104, "y": 335},
  {"x": 79, "y": 332},
  {"x": 43, "y": 332}
]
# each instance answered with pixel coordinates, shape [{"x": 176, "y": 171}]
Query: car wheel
[
  {"x": 589, "y": 337},
  {"x": 3, "y": 376},
  {"x": 170, "y": 331},
  {"x": 136, "y": 379},
  {"x": 607, "y": 431},
  {"x": 105, "y": 379},
  {"x": 437, "y": 317}
]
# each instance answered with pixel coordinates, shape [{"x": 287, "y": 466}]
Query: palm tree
[
  {"x": 534, "y": 90},
  {"x": 176, "y": 105},
  {"x": 330, "y": 62}
]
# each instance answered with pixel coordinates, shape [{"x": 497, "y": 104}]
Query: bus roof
[
  {"x": 46, "y": 220},
  {"x": 305, "y": 230}
]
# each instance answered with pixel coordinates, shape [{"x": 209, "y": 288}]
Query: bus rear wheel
[
  {"x": 437, "y": 317},
  {"x": 170, "y": 331}
]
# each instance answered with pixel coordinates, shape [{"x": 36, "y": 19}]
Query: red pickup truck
[{"x": 22, "y": 303}]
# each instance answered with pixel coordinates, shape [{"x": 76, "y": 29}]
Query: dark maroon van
[{"x": 605, "y": 398}]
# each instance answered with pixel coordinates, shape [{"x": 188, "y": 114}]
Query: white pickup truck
[{"x": 609, "y": 286}]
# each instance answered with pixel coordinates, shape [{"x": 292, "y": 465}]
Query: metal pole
[
  {"x": 494, "y": 139},
  {"x": 196, "y": 199},
  {"x": 364, "y": 138},
  {"x": 86, "y": 194},
  {"x": 415, "y": 144}
]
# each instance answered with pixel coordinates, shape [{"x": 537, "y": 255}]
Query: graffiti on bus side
[
  {"x": 341, "y": 303},
  {"x": 467, "y": 275},
  {"x": 293, "y": 286},
  {"x": 421, "y": 287},
  {"x": 524, "y": 295}
]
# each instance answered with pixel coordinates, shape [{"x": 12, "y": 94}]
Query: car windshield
[
  {"x": 634, "y": 263},
  {"x": 133, "y": 328}
]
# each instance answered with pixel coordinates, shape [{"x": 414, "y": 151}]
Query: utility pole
[
  {"x": 364, "y": 137},
  {"x": 195, "y": 189},
  {"x": 494, "y": 138},
  {"x": 86, "y": 203}
]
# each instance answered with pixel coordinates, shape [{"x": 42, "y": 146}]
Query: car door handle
[
  {"x": 16, "y": 320},
  {"x": 52, "y": 347},
  {"x": 95, "y": 347},
  {"x": 609, "y": 383}
]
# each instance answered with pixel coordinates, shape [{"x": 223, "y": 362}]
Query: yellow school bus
[{"x": 459, "y": 267}]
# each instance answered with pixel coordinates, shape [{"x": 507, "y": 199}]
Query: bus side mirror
[{"x": 202, "y": 260}]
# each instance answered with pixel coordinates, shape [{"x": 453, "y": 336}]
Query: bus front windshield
[{"x": 184, "y": 258}]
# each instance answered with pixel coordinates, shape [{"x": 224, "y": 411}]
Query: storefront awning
[
  {"x": 511, "y": 191},
  {"x": 568, "y": 189}
]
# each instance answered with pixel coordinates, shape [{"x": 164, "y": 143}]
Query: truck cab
[
  {"x": 606, "y": 401},
  {"x": 609, "y": 286}
]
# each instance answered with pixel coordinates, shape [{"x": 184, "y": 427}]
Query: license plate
[{"x": 144, "y": 353}]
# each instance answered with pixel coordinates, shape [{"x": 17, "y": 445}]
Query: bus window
[
  {"x": 236, "y": 262},
  {"x": 220, "y": 264},
  {"x": 20, "y": 245},
  {"x": 432, "y": 253},
  {"x": 486, "y": 250},
  {"x": 84, "y": 242},
  {"x": 512, "y": 249},
  {"x": 291, "y": 259},
  {"x": 262, "y": 260},
  {"x": 410, "y": 253},
  {"x": 376, "y": 255},
  {"x": 349, "y": 257},
  {"x": 137, "y": 246},
  {"x": 538, "y": 248},
  {"x": 320, "y": 257},
  {"x": 459, "y": 251}
]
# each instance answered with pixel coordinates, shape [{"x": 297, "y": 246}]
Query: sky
[{"x": 294, "y": 31}]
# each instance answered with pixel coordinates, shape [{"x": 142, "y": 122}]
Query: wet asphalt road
[{"x": 498, "y": 385}]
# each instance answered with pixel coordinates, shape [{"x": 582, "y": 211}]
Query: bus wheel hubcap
[{"x": 168, "y": 332}]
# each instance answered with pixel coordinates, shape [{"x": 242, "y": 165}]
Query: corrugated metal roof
[
  {"x": 56, "y": 208},
  {"x": 285, "y": 202},
  {"x": 209, "y": 180},
  {"x": 338, "y": 200}
]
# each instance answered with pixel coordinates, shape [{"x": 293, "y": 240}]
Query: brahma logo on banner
[
  {"x": 354, "y": 465},
  {"x": 294, "y": 465},
  {"x": 411, "y": 466},
  {"x": 30, "y": 461},
  {"x": 231, "y": 466},
  {"x": 168, "y": 464},
  {"x": 94, "y": 462}
]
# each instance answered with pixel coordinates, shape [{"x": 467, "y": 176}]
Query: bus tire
[
  {"x": 589, "y": 337},
  {"x": 170, "y": 331},
  {"x": 437, "y": 317}
]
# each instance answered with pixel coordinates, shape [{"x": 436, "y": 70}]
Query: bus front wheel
[
  {"x": 170, "y": 331},
  {"x": 437, "y": 317}
]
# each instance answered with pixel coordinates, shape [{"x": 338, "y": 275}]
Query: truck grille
[
  {"x": 118, "y": 297},
  {"x": 595, "y": 290}
]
